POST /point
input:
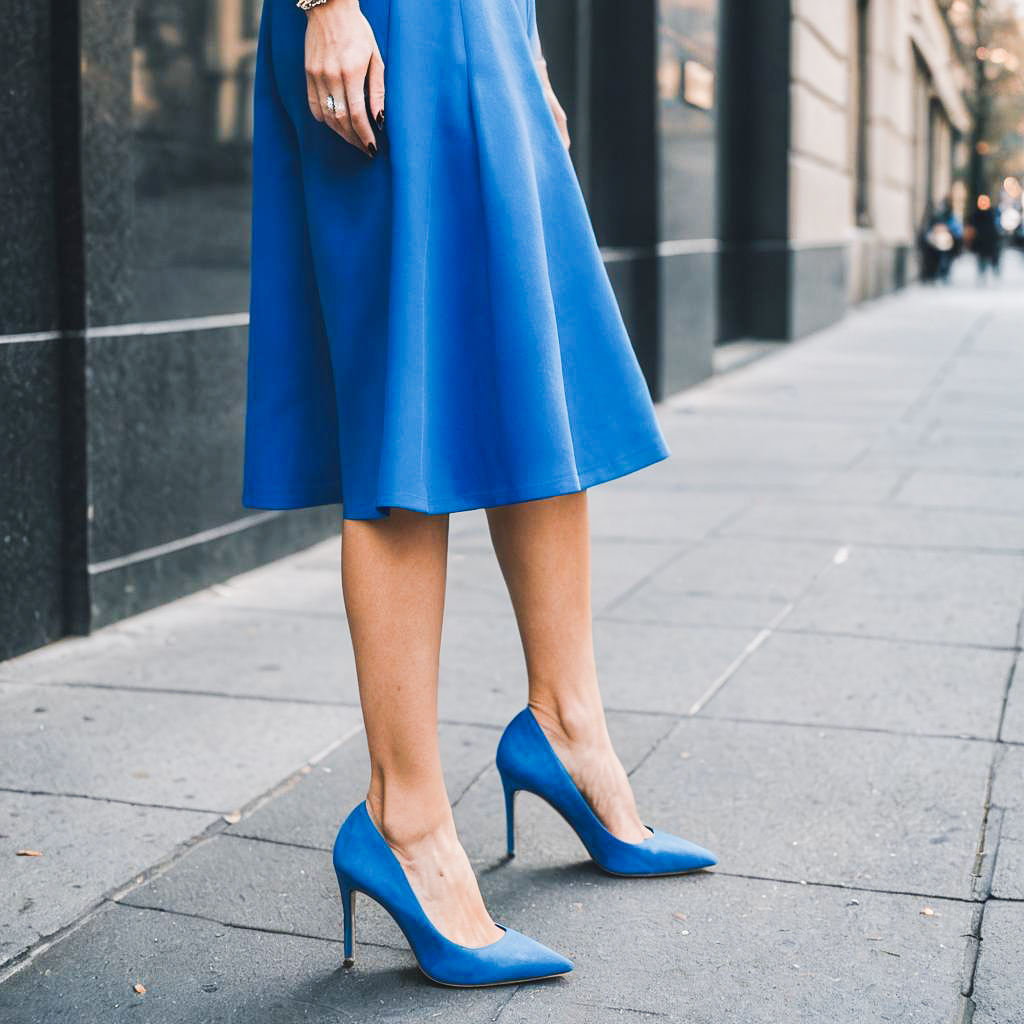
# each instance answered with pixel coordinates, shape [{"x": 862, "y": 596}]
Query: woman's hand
[
  {"x": 342, "y": 60},
  {"x": 556, "y": 108}
]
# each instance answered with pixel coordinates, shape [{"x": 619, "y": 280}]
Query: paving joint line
[
  {"x": 288, "y": 843},
  {"x": 838, "y": 557},
  {"x": 902, "y": 480},
  {"x": 622, "y": 1009},
  {"x": 112, "y": 800},
  {"x": 1011, "y": 678},
  {"x": 263, "y": 929},
  {"x": 915, "y": 641},
  {"x": 846, "y": 887},
  {"x": 217, "y": 827},
  {"x": 689, "y": 546},
  {"x": 88, "y": 684},
  {"x": 488, "y": 767},
  {"x": 801, "y": 631},
  {"x": 505, "y": 1002},
  {"x": 679, "y": 716},
  {"x": 654, "y": 747},
  {"x": 27, "y": 956},
  {"x": 960, "y": 549},
  {"x": 984, "y": 870},
  {"x": 119, "y": 688},
  {"x": 643, "y": 581}
]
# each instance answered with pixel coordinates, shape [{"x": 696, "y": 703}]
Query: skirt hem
[{"x": 567, "y": 483}]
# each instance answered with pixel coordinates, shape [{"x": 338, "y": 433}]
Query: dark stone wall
[
  {"x": 31, "y": 553},
  {"x": 28, "y": 255},
  {"x": 31, "y": 610},
  {"x": 753, "y": 159},
  {"x": 818, "y": 287},
  {"x": 121, "y": 436},
  {"x": 646, "y": 158}
]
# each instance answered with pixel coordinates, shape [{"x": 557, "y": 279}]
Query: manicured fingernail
[
  {"x": 380, "y": 120},
  {"x": 371, "y": 149}
]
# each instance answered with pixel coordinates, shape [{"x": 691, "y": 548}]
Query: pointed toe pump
[
  {"x": 365, "y": 863},
  {"x": 527, "y": 761}
]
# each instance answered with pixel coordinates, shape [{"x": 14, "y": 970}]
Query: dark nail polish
[
  {"x": 380, "y": 120},
  {"x": 371, "y": 149}
]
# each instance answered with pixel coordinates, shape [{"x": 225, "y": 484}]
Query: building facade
[
  {"x": 838, "y": 137},
  {"x": 751, "y": 169}
]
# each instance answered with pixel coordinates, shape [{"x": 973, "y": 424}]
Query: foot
[
  {"x": 586, "y": 750},
  {"x": 441, "y": 876}
]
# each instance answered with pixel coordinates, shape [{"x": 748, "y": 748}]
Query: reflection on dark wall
[
  {"x": 687, "y": 57},
  {"x": 191, "y": 100}
]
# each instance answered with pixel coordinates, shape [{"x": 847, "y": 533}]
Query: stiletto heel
[
  {"x": 510, "y": 818},
  {"x": 527, "y": 761},
  {"x": 348, "y": 907},
  {"x": 364, "y": 861}
]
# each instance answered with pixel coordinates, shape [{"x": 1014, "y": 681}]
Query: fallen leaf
[
  {"x": 233, "y": 818},
  {"x": 29, "y": 853},
  {"x": 139, "y": 989},
  {"x": 927, "y": 911}
]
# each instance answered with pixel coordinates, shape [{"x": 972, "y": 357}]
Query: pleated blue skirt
[{"x": 433, "y": 329}]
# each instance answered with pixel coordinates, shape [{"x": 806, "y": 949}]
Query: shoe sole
[
  {"x": 597, "y": 863},
  {"x": 493, "y": 984},
  {"x": 349, "y": 964}
]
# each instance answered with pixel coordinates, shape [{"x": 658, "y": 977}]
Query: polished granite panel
[
  {"x": 564, "y": 33},
  {"x": 125, "y": 590},
  {"x": 818, "y": 296},
  {"x": 191, "y": 141},
  {"x": 166, "y": 432},
  {"x": 166, "y": 443},
  {"x": 635, "y": 280},
  {"x": 688, "y": 319},
  {"x": 623, "y": 186},
  {"x": 27, "y": 257},
  {"x": 30, "y": 519},
  {"x": 753, "y": 101},
  {"x": 106, "y": 159},
  {"x": 882, "y": 267},
  {"x": 754, "y": 296},
  {"x": 687, "y": 58}
]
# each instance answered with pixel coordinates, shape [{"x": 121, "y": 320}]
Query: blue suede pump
[
  {"x": 365, "y": 863},
  {"x": 527, "y": 761}
]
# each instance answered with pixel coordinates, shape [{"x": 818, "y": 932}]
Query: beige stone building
[{"x": 875, "y": 120}]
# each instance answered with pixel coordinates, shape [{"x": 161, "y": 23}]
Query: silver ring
[{"x": 333, "y": 107}]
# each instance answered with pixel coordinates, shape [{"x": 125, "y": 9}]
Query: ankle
[
  {"x": 573, "y": 720},
  {"x": 407, "y": 818}
]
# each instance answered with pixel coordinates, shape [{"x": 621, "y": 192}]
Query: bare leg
[
  {"x": 393, "y": 580},
  {"x": 544, "y": 551}
]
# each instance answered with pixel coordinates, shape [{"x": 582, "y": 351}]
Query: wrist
[{"x": 311, "y": 7}]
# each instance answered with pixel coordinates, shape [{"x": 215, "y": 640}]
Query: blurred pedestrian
[
  {"x": 987, "y": 240},
  {"x": 941, "y": 242}
]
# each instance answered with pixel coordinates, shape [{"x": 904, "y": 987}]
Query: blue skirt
[{"x": 433, "y": 329}]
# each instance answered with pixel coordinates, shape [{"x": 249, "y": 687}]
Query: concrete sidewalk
[{"x": 808, "y": 621}]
